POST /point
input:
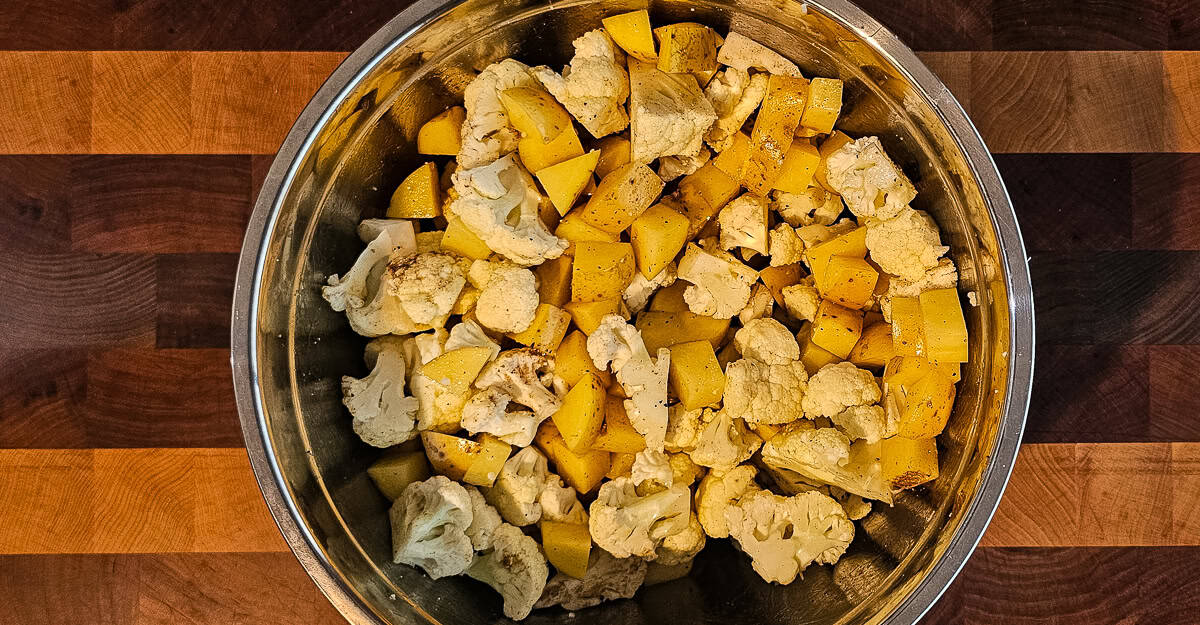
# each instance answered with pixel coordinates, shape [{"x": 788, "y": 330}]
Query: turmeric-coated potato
[{"x": 621, "y": 197}]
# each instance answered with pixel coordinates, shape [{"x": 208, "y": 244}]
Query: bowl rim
[{"x": 244, "y": 350}]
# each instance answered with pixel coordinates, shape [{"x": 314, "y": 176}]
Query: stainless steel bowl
[{"x": 348, "y": 150}]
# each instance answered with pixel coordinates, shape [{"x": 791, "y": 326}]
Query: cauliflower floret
[
  {"x": 470, "y": 334},
  {"x": 429, "y": 527},
  {"x": 683, "y": 546},
  {"x": 743, "y": 223},
  {"x": 607, "y": 578},
  {"x": 684, "y": 470},
  {"x": 637, "y": 294},
  {"x": 401, "y": 231},
  {"x": 672, "y": 167},
  {"x": 941, "y": 276},
  {"x": 668, "y": 114},
  {"x": 761, "y": 304},
  {"x": 864, "y": 422},
  {"x": 515, "y": 568},
  {"x": 652, "y": 466},
  {"x": 720, "y": 287},
  {"x": 802, "y": 300},
  {"x": 855, "y": 506},
  {"x": 352, "y": 289},
  {"x": 825, "y": 456},
  {"x": 763, "y": 393},
  {"x": 508, "y": 297},
  {"x": 734, "y": 95},
  {"x": 427, "y": 285},
  {"x": 484, "y": 520},
  {"x": 814, "y": 205},
  {"x": 490, "y": 197},
  {"x": 486, "y": 132},
  {"x": 418, "y": 349},
  {"x": 683, "y": 428},
  {"x": 466, "y": 301},
  {"x": 626, "y": 524},
  {"x": 383, "y": 415},
  {"x": 742, "y": 52},
  {"x": 838, "y": 386},
  {"x": 594, "y": 87},
  {"x": 783, "y": 535},
  {"x": 869, "y": 182},
  {"x": 560, "y": 502},
  {"x": 643, "y": 379},
  {"x": 487, "y": 411},
  {"x": 518, "y": 373},
  {"x": 817, "y": 234},
  {"x": 515, "y": 493},
  {"x": 768, "y": 341},
  {"x": 720, "y": 490},
  {"x": 785, "y": 247},
  {"x": 907, "y": 246},
  {"x": 724, "y": 441},
  {"x": 615, "y": 342}
]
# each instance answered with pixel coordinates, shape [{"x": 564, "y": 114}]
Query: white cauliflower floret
[
  {"x": 560, "y": 502},
  {"x": 817, "y": 234},
  {"x": 941, "y": 276},
  {"x": 734, "y": 95},
  {"x": 491, "y": 197},
  {"x": 869, "y": 182},
  {"x": 487, "y": 411},
  {"x": 484, "y": 520},
  {"x": 683, "y": 546},
  {"x": 352, "y": 289},
  {"x": 720, "y": 490},
  {"x": 615, "y": 342},
  {"x": 838, "y": 386},
  {"x": 802, "y": 300},
  {"x": 515, "y": 568},
  {"x": 906, "y": 246},
  {"x": 783, "y": 535},
  {"x": 864, "y": 422},
  {"x": 643, "y": 379},
  {"x": 742, "y": 52},
  {"x": 401, "y": 230},
  {"x": 594, "y": 87},
  {"x": 668, "y": 114},
  {"x": 427, "y": 285},
  {"x": 683, "y": 469},
  {"x": 720, "y": 287},
  {"x": 418, "y": 349},
  {"x": 743, "y": 223},
  {"x": 768, "y": 341},
  {"x": 370, "y": 308},
  {"x": 637, "y": 295},
  {"x": 683, "y": 428},
  {"x": 607, "y": 578},
  {"x": 518, "y": 373},
  {"x": 626, "y": 524},
  {"x": 383, "y": 415},
  {"x": 785, "y": 247},
  {"x": 724, "y": 441},
  {"x": 470, "y": 334},
  {"x": 672, "y": 167},
  {"x": 761, "y": 393},
  {"x": 761, "y": 304},
  {"x": 814, "y": 205},
  {"x": 486, "y": 132},
  {"x": 429, "y": 527},
  {"x": 825, "y": 456},
  {"x": 855, "y": 506},
  {"x": 508, "y": 297},
  {"x": 515, "y": 493},
  {"x": 652, "y": 466}
]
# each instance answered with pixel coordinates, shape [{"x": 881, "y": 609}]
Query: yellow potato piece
[
  {"x": 618, "y": 435},
  {"x": 632, "y": 32},
  {"x": 493, "y": 452},
  {"x": 459, "y": 239},
  {"x": 621, "y": 197},
  {"x": 587, "y": 315},
  {"x": 664, "y": 329},
  {"x": 537, "y": 155},
  {"x": 824, "y": 104},
  {"x": 918, "y": 395},
  {"x": 836, "y": 328},
  {"x": 874, "y": 348},
  {"x": 450, "y": 455},
  {"x": 695, "y": 375},
  {"x": 442, "y": 135},
  {"x": 733, "y": 159},
  {"x": 657, "y": 236},
  {"x": 554, "y": 280},
  {"x": 849, "y": 281},
  {"x": 395, "y": 471},
  {"x": 622, "y": 465},
  {"x": 703, "y": 194},
  {"x": 780, "y": 276},
  {"x": 687, "y": 47},
  {"x": 670, "y": 299},
  {"x": 774, "y": 129},
  {"x": 907, "y": 463},
  {"x": 568, "y": 546},
  {"x": 535, "y": 113},
  {"x": 944, "y": 325},
  {"x": 908, "y": 328},
  {"x": 601, "y": 271},
  {"x": 457, "y": 368},
  {"x": 812, "y": 355},
  {"x": 572, "y": 361},
  {"x": 565, "y": 181},
  {"x": 614, "y": 152},
  {"x": 419, "y": 196},
  {"x": 833, "y": 143},
  {"x": 574, "y": 230},
  {"x": 799, "y": 165},
  {"x": 549, "y": 326},
  {"x": 583, "y": 472},
  {"x": 581, "y": 415},
  {"x": 852, "y": 244}
]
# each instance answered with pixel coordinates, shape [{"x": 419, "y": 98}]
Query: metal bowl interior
[{"x": 353, "y": 143}]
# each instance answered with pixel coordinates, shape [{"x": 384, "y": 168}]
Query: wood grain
[
  {"x": 46, "y": 102},
  {"x": 1079, "y": 25},
  {"x": 195, "y": 293},
  {"x": 1097, "y": 393},
  {"x": 1165, "y": 196},
  {"x": 35, "y": 203}
]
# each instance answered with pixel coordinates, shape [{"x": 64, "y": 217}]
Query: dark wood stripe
[
  {"x": 1097, "y": 394},
  {"x": 936, "y": 24},
  {"x": 195, "y": 292},
  {"x": 1174, "y": 403},
  {"x": 1081, "y": 24},
  {"x": 1166, "y": 201}
]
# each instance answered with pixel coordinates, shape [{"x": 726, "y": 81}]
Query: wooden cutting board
[{"x": 133, "y": 136}]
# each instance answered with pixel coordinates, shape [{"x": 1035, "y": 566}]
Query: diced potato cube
[
  {"x": 618, "y": 435},
  {"x": 601, "y": 271},
  {"x": 774, "y": 128},
  {"x": 728, "y": 354},
  {"x": 664, "y": 329},
  {"x": 632, "y": 32},
  {"x": 583, "y": 472},
  {"x": 908, "y": 328},
  {"x": 535, "y": 113},
  {"x": 493, "y": 452},
  {"x": 849, "y": 281},
  {"x": 419, "y": 196},
  {"x": 457, "y": 368},
  {"x": 622, "y": 465},
  {"x": 695, "y": 375},
  {"x": 614, "y": 152},
  {"x": 537, "y": 155},
  {"x": 657, "y": 236},
  {"x": 549, "y": 326},
  {"x": 902, "y": 371},
  {"x": 733, "y": 159},
  {"x": 799, "y": 165},
  {"x": 442, "y": 135},
  {"x": 459, "y": 239},
  {"x": 907, "y": 463},
  {"x": 687, "y": 47},
  {"x": 582, "y": 414},
  {"x": 807, "y": 133},
  {"x": 812, "y": 355},
  {"x": 574, "y": 230},
  {"x": 621, "y": 197},
  {"x": 852, "y": 244},
  {"x": 831, "y": 144},
  {"x": 824, "y": 104},
  {"x": 568, "y": 546},
  {"x": 944, "y": 325},
  {"x": 780, "y": 276},
  {"x": 670, "y": 299},
  {"x": 837, "y": 328},
  {"x": 587, "y": 315},
  {"x": 952, "y": 370},
  {"x": 926, "y": 406},
  {"x": 450, "y": 455},
  {"x": 554, "y": 280},
  {"x": 874, "y": 348},
  {"x": 395, "y": 471},
  {"x": 565, "y": 181},
  {"x": 703, "y": 193},
  {"x": 572, "y": 361},
  {"x": 766, "y": 431}
]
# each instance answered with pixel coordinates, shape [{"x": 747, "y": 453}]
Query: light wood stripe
[
  {"x": 244, "y": 102},
  {"x": 206, "y": 500}
]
